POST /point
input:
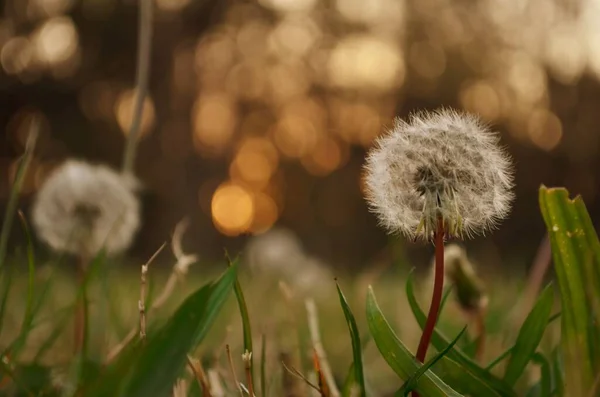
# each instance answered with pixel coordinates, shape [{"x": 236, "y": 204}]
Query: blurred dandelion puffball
[
  {"x": 441, "y": 165},
  {"x": 82, "y": 208}
]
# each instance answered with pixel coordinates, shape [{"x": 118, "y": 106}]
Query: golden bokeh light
[
  {"x": 545, "y": 129},
  {"x": 565, "y": 54},
  {"x": 288, "y": 81},
  {"x": 326, "y": 157},
  {"x": 289, "y": 5},
  {"x": 266, "y": 213},
  {"x": 367, "y": 63},
  {"x": 52, "y": 7},
  {"x": 232, "y": 209},
  {"x": 247, "y": 80},
  {"x": 171, "y": 5},
  {"x": 525, "y": 76},
  {"x": 214, "y": 121},
  {"x": 294, "y": 36},
  {"x": 16, "y": 55},
  {"x": 255, "y": 162},
  {"x": 481, "y": 97},
  {"x": 427, "y": 59},
  {"x": 124, "y": 111},
  {"x": 56, "y": 41}
]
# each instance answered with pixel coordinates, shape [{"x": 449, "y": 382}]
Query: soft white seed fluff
[
  {"x": 440, "y": 165},
  {"x": 82, "y": 208}
]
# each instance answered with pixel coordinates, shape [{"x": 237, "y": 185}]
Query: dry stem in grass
[
  {"x": 247, "y": 358},
  {"x": 196, "y": 368},
  {"x": 313, "y": 325},
  {"x": 216, "y": 388},
  {"x": 179, "y": 270},
  {"x": 141, "y": 303},
  {"x": 232, "y": 369}
]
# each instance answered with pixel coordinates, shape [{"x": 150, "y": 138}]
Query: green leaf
[
  {"x": 359, "y": 377},
  {"x": 409, "y": 385},
  {"x": 151, "y": 369},
  {"x": 440, "y": 342},
  {"x": 545, "y": 383},
  {"x": 246, "y": 327},
  {"x": 529, "y": 336},
  {"x": 397, "y": 355},
  {"x": 576, "y": 257}
]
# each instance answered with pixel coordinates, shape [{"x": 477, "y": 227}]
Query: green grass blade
[
  {"x": 576, "y": 257},
  {"x": 246, "y": 327},
  {"x": 11, "y": 207},
  {"x": 29, "y": 303},
  {"x": 546, "y": 374},
  {"x": 439, "y": 341},
  {"x": 529, "y": 336},
  {"x": 359, "y": 376},
  {"x": 153, "y": 371},
  {"x": 409, "y": 385},
  {"x": 398, "y": 357}
]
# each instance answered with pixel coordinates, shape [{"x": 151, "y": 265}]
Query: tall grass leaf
[
  {"x": 246, "y": 327},
  {"x": 409, "y": 384},
  {"x": 439, "y": 341},
  {"x": 13, "y": 199},
  {"x": 576, "y": 257},
  {"x": 359, "y": 376},
  {"x": 26, "y": 324},
  {"x": 154, "y": 370},
  {"x": 529, "y": 336},
  {"x": 398, "y": 357}
]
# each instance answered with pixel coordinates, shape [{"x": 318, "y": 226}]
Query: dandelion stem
[{"x": 436, "y": 299}]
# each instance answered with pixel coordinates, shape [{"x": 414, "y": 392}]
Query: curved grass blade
[
  {"x": 26, "y": 325},
  {"x": 151, "y": 369},
  {"x": 409, "y": 385},
  {"x": 246, "y": 327},
  {"x": 359, "y": 377},
  {"x": 398, "y": 356},
  {"x": 529, "y": 336},
  {"x": 576, "y": 257},
  {"x": 440, "y": 342}
]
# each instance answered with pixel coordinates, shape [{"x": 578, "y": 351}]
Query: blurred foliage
[{"x": 259, "y": 111}]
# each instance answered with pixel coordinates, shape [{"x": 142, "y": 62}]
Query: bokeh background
[{"x": 260, "y": 112}]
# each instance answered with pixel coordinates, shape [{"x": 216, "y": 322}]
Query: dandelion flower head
[
  {"x": 441, "y": 165},
  {"x": 82, "y": 208}
]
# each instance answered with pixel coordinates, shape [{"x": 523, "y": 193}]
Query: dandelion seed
[
  {"x": 442, "y": 165},
  {"x": 82, "y": 208}
]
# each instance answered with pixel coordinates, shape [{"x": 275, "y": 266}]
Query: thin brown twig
[
  {"x": 247, "y": 358},
  {"x": 313, "y": 325},
  {"x": 232, "y": 369},
  {"x": 179, "y": 269},
  {"x": 198, "y": 372},
  {"x": 142, "y": 301},
  {"x": 298, "y": 374}
]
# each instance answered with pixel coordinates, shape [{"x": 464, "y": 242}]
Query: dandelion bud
[
  {"x": 468, "y": 287},
  {"x": 441, "y": 165},
  {"x": 82, "y": 208}
]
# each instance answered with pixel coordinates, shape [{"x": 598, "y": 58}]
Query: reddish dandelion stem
[{"x": 436, "y": 299}]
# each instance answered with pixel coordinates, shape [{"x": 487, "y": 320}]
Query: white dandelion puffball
[
  {"x": 440, "y": 165},
  {"x": 82, "y": 208}
]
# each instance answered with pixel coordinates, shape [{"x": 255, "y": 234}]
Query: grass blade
[
  {"x": 246, "y": 327},
  {"x": 359, "y": 377},
  {"x": 529, "y": 336},
  {"x": 398, "y": 356},
  {"x": 576, "y": 256}
]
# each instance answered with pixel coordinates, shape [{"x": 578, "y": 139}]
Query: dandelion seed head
[
  {"x": 439, "y": 165},
  {"x": 82, "y": 208}
]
